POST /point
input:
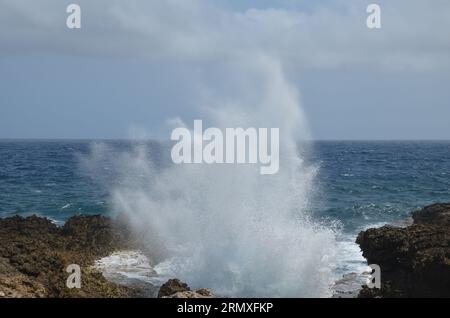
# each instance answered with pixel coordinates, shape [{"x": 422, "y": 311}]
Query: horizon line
[{"x": 159, "y": 139}]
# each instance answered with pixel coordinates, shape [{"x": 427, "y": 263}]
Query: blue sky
[{"x": 135, "y": 65}]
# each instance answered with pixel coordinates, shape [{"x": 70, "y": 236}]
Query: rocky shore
[
  {"x": 34, "y": 253},
  {"x": 174, "y": 288},
  {"x": 415, "y": 260}
]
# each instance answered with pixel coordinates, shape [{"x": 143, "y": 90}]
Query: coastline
[
  {"x": 34, "y": 252},
  {"x": 414, "y": 260},
  {"x": 34, "y": 255}
]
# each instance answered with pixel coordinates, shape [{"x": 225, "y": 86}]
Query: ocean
[{"x": 359, "y": 184}]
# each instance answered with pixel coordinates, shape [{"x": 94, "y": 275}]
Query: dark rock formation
[
  {"x": 171, "y": 287},
  {"x": 414, "y": 261},
  {"x": 433, "y": 214},
  {"x": 34, "y": 254},
  {"x": 174, "y": 288}
]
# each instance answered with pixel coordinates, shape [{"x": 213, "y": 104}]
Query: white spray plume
[{"x": 226, "y": 227}]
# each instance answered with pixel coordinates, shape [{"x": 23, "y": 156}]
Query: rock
[
  {"x": 174, "y": 288},
  {"x": 188, "y": 294},
  {"x": 29, "y": 269},
  {"x": 414, "y": 261},
  {"x": 34, "y": 254},
  {"x": 171, "y": 287},
  {"x": 205, "y": 292},
  {"x": 433, "y": 214}
]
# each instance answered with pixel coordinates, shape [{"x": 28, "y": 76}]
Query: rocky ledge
[
  {"x": 174, "y": 288},
  {"x": 415, "y": 260},
  {"x": 34, "y": 255}
]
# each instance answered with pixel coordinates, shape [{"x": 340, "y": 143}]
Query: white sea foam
[
  {"x": 350, "y": 257},
  {"x": 56, "y": 221},
  {"x": 124, "y": 265}
]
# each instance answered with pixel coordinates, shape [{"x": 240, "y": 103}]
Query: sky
[{"x": 135, "y": 66}]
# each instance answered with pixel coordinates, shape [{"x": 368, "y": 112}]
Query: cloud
[{"x": 414, "y": 34}]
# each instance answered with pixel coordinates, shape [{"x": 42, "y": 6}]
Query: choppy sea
[{"x": 361, "y": 184}]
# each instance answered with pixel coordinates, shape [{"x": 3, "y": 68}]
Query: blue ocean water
[
  {"x": 361, "y": 184},
  {"x": 46, "y": 178},
  {"x": 366, "y": 183}
]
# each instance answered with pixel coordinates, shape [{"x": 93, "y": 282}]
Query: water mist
[{"x": 227, "y": 227}]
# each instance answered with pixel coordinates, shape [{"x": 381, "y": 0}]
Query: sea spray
[{"x": 227, "y": 227}]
